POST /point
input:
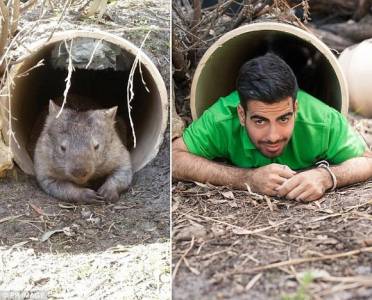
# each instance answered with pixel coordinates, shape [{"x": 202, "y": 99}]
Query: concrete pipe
[
  {"x": 105, "y": 83},
  {"x": 357, "y": 66},
  {"x": 316, "y": 68}
]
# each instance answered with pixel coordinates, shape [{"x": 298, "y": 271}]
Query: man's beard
[{"x": 272, "y": 149}]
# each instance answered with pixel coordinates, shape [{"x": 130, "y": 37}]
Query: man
[{"x": 274, "y": 135}]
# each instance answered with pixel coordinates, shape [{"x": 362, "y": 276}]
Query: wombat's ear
[
  {"x": 111, "y": 112},
  {"x": 53, "y": 108}
]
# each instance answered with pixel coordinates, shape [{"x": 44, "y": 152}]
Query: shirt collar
[{"x": 246, "y": 140}]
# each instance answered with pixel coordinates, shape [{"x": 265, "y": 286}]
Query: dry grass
[{"x": 226, "y": 236}]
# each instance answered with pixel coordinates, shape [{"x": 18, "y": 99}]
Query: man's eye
[
  {"x": 259, "y": 122},
  {"x": 284, "y": 119}
]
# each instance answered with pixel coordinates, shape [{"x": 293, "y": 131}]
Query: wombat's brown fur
[{"x": 78, "y": 148}]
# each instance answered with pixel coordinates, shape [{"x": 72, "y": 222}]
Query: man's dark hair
[{"x": 266, "y": 78}]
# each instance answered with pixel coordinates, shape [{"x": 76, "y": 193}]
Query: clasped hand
[{"x": 280, "y": 180}]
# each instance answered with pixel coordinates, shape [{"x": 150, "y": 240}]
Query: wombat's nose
[{"x": 79, "y": 173}]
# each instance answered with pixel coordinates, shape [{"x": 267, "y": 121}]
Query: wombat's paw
[
  {"x": 109, "y": 192},
  {"x": 90, "y": 196}
]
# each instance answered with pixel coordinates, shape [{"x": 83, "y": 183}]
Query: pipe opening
[
  {"x": 105, "y": 86},
  {"x": 315, "y": 67}
]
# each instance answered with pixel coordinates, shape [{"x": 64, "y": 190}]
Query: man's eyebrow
[
  {"x": 288, "y": 114},
  {"x": 258, "y": 117},
  {"x": 265, "y": 119}
]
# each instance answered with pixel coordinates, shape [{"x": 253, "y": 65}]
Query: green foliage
[{"x": 302, "y": 292}]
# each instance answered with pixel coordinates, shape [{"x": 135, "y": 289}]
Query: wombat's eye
[
  {"x": 96, "y": 147},
  {"x": 63, "y": 148}
]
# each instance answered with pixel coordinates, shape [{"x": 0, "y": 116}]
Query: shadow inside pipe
[
  {"x": 314, "y": 72},
  {"x": 33, "y": 89}
]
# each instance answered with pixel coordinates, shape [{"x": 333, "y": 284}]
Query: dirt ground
[
  {"x": 231, "y": 244},
  {"x": 132, "y": 234},
  {"x": 140, "y": 216},
  {"x": 224, "y": 235},
  {"x": 224, "y": 242}
]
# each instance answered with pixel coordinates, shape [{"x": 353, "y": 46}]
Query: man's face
[{"x": 269, "y": 126}]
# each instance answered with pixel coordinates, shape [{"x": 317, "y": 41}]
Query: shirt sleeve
[
  {"x": 344, "y": 143},
  {"x": 204, "y": 137}
]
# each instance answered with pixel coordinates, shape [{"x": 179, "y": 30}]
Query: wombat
[{"x": 79, "y": 148}]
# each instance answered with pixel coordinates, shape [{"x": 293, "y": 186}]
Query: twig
[
  {"x": 182, "y": 257},
  {"x": 10, "y": 218},
  {"x": 4, "y": 28},
  {"x": 93, "y": 52},
  {"x": 254, "y": 195},
  {"x": 192, "y": 270},
  {"x": 67, "y": 4},
  {"x": 340, "y": 288},
  {"x": 351, "y": 279},
  {"x": 142, "y": 79},
  {"x": 15, "y": 16},
  {"x": 130, "y": 92},
  {"x": 243, "y": 231},
  {"x": 298, "y": 261},
  {"x": 26, "y": 5},
  {"x": 358, "y": 205},
  {"x": 269, "y": 204},
  {"x": 40, "y": 63},
  {"x": 253, "y": 281},
  {"x": 70, "y": 69},
  {"x": 10, "y": 132}
]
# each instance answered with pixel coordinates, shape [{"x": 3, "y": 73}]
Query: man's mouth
[{"x": 273, "y": 147}]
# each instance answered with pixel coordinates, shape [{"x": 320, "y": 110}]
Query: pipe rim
[
  {"x": 132, "y": 49},
  {"x": 272, "y": 26}
]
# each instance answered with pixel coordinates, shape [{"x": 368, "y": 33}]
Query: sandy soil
[{"x": 60, "y": 249}]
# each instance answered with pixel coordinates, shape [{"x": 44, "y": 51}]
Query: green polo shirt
[{"x": 320, "y": 132}]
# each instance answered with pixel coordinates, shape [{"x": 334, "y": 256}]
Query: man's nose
[{"x": 273, "y": 135}]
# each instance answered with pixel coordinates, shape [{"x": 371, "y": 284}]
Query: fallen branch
[{"x": 299, "y": 261}]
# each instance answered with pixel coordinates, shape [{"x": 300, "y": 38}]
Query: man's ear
[
  {"x": 241, "y": 114},
  {"x": 295, "y": 109}
]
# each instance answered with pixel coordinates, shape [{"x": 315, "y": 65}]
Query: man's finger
[
  {"x": 286, "y": 172},
  {"x": 305, "y": 196},
  {"x": 288, "y": 186},
  {"x": 279, "y": 180},
  {"x": 297, "y": 191}
]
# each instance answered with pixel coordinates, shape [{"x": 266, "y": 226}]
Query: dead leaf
[
  {"x": 175, "y": 206},
  {"x": 41, "y": 211},
  {"x": 37, "y": 209},
  {"x": 233, "y": 204},
  {"x": 228, "y": 195},
  {"x": 218, "y": 230},
  {"x": 48, "y": 234},
  {"x": 215, "y": 201},
  {"x": 118, "y": 249},
  {"x": 201, "y": 184},
  {"x": 195, "y": 230},
  {"x": 66, "y": 206}
]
